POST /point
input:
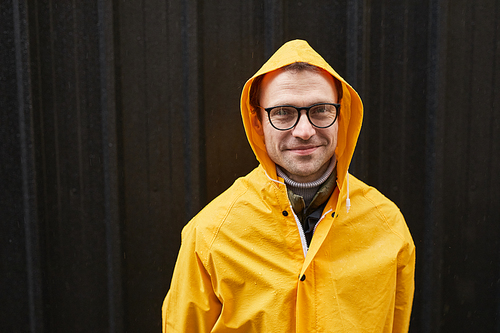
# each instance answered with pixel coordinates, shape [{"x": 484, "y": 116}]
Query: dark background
[{"x": 120, "y": 119}]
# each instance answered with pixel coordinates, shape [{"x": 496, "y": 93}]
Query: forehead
[{"x": 294, "y": 87}]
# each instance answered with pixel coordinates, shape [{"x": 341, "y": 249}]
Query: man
[{"x": 297, "y": 245}]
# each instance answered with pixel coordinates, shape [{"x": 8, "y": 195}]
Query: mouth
[{"x": 303, "y": 150}]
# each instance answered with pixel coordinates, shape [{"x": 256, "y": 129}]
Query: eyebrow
[{"x": 296, "y": 106}]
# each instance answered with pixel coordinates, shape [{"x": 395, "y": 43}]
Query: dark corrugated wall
[{"x": 120, "y": 119}]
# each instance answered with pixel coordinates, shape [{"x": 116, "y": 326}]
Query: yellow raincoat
[{"x": 244, "y": 265}]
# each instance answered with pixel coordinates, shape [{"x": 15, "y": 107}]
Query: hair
[{"x": 294, "y": 67}]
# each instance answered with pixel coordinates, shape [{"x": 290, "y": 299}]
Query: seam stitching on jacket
[
  {"x": 387, "y": 223},
  {"x": 383, "y": 216},
  {"x": 223, "y": 220}
]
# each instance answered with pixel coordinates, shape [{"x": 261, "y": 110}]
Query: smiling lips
[{"x": 303, "y": 150}]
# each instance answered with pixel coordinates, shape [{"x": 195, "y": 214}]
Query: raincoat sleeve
[
  {"x": 404, "y": 289},
  {"x": 191, "y": 304}
]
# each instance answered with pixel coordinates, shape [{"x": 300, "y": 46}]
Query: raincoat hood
[{"x": 350, "y": 117}]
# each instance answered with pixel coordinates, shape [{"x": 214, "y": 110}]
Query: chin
[{"x": 306, "y": 173}]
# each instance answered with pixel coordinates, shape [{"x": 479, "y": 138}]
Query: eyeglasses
[{"x": 285, "y": 117}]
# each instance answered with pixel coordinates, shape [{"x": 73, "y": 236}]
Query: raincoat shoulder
[{"x": 236, "y": 247}]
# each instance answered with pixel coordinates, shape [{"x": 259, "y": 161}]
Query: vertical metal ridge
[
  {"x": 202, "y": 186},
  {"x": 21, "y": 40},
  {"x": 78, "y": 110},
  {"x": 55, "y": 107},
  {"x": 382, "y": 90},
  {"x": 110, "y": 146},
  {"x": 495, "y": 160},
  {"x": 186, "y": 125},
  {"x": 404, "y": 99},
  {"x": 191, "y": 80},
  {"x": 352, "y": 43},
  {"x": 495, "y": 184},
  {"x": 432, "y": 238},
  {"x": 273, "y": 25}
]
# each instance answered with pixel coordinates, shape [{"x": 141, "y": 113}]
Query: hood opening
[{"x": 349, "y": 119}]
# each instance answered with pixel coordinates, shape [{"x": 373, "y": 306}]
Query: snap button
[
  {"x": 303, "y": 277},
  {"x": 285, "y": 213}
]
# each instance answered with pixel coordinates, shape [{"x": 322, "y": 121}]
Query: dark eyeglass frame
[{"x": 299, "y": 112}]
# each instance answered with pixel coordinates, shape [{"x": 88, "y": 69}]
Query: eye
[
  {"x": 319, "y": 109},
  {"x": 322, "y": 110},
  {"x": 282, "y": 112}
]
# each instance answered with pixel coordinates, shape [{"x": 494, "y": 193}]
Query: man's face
[{"x": 304, "y": 152}]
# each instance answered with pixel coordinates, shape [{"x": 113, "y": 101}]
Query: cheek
[
  {"x": 273, "y": 139},
  {"x": 269, "y": 139},
  {"x": 329, "y": 135},
  {"x": 334, "y": 135}
]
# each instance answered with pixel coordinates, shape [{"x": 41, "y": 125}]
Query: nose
[{"x": 304, "y": 129}]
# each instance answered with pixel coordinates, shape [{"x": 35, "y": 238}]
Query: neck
[{"x": 315, "y": 183}]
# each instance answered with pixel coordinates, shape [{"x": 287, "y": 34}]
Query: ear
[{"x": 257, "y": 125}]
